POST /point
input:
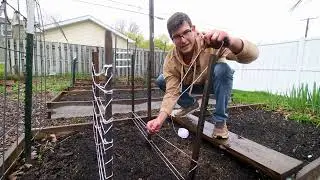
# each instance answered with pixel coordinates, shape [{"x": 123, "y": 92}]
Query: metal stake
[{"x": 205, "y": 99}]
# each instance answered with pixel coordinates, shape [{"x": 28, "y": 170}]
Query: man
[{"x": 185, "y": 64}]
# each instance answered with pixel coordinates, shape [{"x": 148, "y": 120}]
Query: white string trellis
[
  {"x": 102, "y": 125},
  {"x": 141, "y": 124},
  {"x": 141, "y": 127}
]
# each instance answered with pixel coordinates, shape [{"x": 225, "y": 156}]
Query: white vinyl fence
[{"x": 280, "y": 66}]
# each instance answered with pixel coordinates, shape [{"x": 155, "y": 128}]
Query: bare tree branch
[
  {"x": 121, "y": 25},
  {"x": 133, "y": 28},
  {"x": 299, "y": 3},
  {"x": 296, "y": 5}
]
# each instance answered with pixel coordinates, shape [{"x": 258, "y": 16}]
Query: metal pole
[
  {"x": 95, "y": 61},
  {"x": 205, "y": 99},
  {"x": 133, "y": 57},
  {"x": 151, "y": 57},
  {"x": 28, "y": 79},
  {"x": 151, "y": 54},
  {"x": 108, "y": 110},
  {"x": 115, "y": 56},
  {"x": 307, "y": 25},
  {"x": 127, "y": 62},
  {"x": 74, "y": 62}
]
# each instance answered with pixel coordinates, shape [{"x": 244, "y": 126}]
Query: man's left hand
[{"x": 215, "y": 38}]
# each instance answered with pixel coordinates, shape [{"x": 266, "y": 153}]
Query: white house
[{"x": 85, "y": 30}]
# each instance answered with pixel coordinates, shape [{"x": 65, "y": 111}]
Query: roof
[{"x": 90, "y": 18}]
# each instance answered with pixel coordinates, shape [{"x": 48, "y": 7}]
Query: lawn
[
  {"x": 301, "y": 103},
  {"x": 1, "y": 70}
]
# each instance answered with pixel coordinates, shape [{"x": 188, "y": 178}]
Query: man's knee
[
  {"x": 222, "y": 71},
  {"x": 161, "y": 83}
]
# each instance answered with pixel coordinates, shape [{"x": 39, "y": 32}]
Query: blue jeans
[{"x": 222, "y": 86}]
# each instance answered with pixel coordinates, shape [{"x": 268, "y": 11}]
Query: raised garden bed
[
  {"x": 86, "y": 95},
  {"x": 74, "y": 158}
]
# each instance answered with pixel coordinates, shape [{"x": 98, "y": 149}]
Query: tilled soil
[
  {"x": 134, "y": 158},
  {"x": 87, "y": 95},
  {"x": 298, "y": 140},
  {"x": 75, "y": 158},
  {"x": 12, "y": 117}
]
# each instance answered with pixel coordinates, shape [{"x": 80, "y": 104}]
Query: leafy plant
[{"x": 300, "y": 103}]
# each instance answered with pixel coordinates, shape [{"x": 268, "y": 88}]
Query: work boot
[
  {"x": 184, "y": 111},
  {"x": 220, "y": 131}
]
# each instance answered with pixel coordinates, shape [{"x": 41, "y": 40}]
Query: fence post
[
  {"x": 74, "y": 62},
  {"x": 28, "y": 79},
  {"x": 108, "y": 97},
  {"x": 300, "y": 58}
]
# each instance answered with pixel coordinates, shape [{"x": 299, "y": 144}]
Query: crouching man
[{"x": 186, "y": 63}]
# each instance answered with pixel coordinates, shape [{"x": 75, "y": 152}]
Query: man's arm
[
  {"x": 236, "y": 45},
  {"x": 169, "y": 99},
  {"x": 242, "y": 51}
]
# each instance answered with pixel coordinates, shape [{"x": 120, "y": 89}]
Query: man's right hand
[{"x": 154, "y": 126}]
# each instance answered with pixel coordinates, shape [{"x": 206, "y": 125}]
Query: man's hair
[{"x": 176, "y": 20}]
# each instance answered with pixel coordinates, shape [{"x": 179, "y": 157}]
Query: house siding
[{"x": 85, "y": 33}]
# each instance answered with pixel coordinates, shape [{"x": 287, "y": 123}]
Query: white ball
[{"x": 183, "y": 133}]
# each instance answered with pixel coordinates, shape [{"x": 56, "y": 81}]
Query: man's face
[{"x": 184, "y": 38}]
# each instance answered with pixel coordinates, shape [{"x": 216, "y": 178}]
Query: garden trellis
[
  {"x": 14, "y": 91},
  {"x": 102, "y": 122}
]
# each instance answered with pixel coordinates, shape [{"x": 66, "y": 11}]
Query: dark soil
[
  {"x": 116, "y": 83},
  {"x": 154, "y": 112},
  {"x": 73, "y": 157},
  {"x": 87, "y": 95},
  {"x": 146, "y": 164},
  {"x": 77, "y": 96},
  {"x": 134, "y": 158},
  {"x": 66, "y": 121},
  {"x": 270, "y": 129},
  {"x": 138, "y": 94},
  {"x": 12, "y": 117}
]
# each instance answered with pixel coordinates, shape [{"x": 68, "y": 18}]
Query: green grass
[
  {"x": 1, "y": 70},
  {"x": 300, "y": 103},
  {"x": 52, "y": 84}
]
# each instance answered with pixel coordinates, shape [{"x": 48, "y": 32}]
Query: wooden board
[
  {"x": 11, "y": 155},
  {"x": 310, "y": 171},
  {"x": 271, "y": 162}
]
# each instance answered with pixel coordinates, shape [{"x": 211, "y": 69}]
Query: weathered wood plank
[
  {"x": 55, "y": 55},
  {"x": 273, "y": 163},
  {"x": 59, "y": 57},
  {"x": 11, "y": 56},
  {"x": 11, "y": 156},
  {"x": 310, "y": 171},
  {"x": 64, "y": 58},
  {"x": 51, "y": 59}
]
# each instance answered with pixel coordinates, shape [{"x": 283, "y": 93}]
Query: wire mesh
[
  {"x": 102, "y": 121},
  {"x": 12, "y": 85},
  {"x": 10, "y": 78}
]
